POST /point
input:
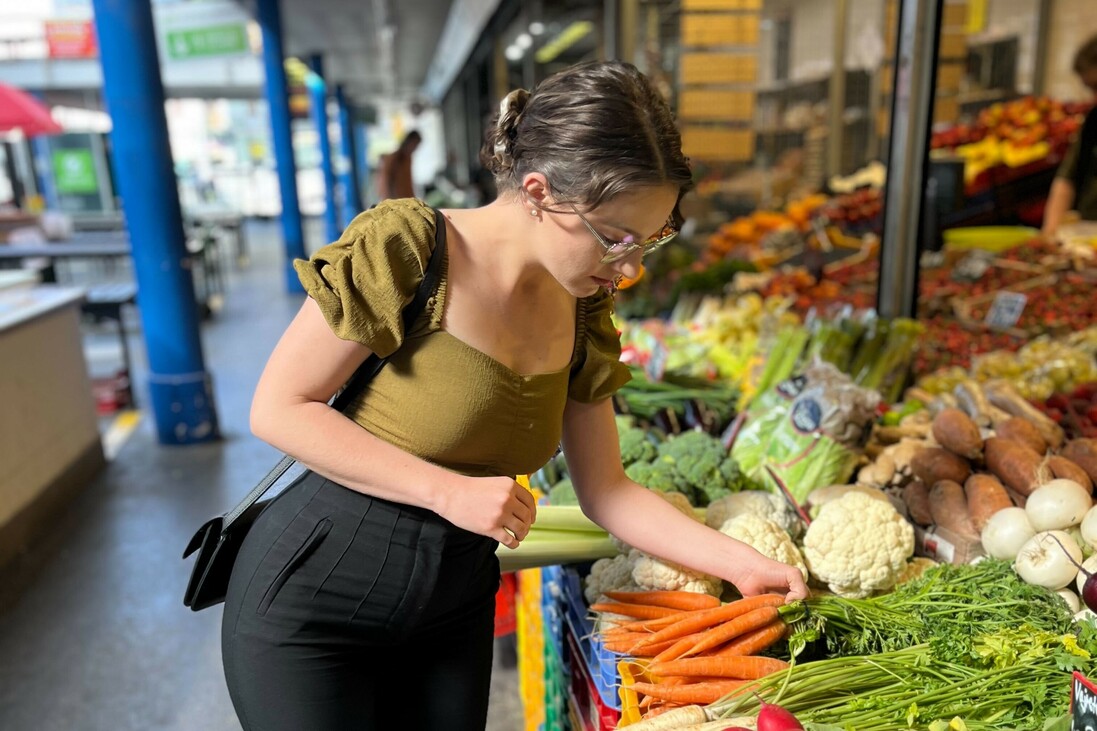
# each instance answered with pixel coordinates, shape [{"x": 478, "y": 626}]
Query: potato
[
  {"x": 1014, "y": 463},
  {"x": 933, "y": 464},
  {"x": 1083, "y": 452},
  {"x": 916, "y": 498},
  {"x": 1063, "y": 469},
  {"x": 955, "y": 431},
  {"x": 1022, "y": 430},
  {"x": 948, "y": 504}
]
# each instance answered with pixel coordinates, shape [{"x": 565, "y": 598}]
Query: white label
[{"x": 1006, "y": 310}]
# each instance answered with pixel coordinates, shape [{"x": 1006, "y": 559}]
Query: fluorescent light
[
  {"x": 536, "y": 28},
  {"x": 568, "y": 37},
  {"x": 513, "y": 53},
  {"x": 524, "y": 41}
]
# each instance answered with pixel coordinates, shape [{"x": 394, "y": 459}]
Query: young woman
[{"x": 372, "y": 578}]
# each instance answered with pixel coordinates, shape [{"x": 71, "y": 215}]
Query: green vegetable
[
  {"x": 560, "y": 535},
  {"x": 636, "y": 445},
  {"x": 563, "y": 493}
]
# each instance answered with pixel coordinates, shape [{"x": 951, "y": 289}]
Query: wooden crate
[
  {"x": 706, "y": 30},
  {"x": 718, "y": 68},
  {"x": 715, "y": 104},
  {"x": 717, "y": 144}
]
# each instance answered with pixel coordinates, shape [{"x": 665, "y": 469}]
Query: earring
[{"x": 533, "y": 212}]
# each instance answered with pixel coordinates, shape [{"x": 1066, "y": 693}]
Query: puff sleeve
[
  {"x": 597, "y": 372},
  {"x": 363, "y": 281}
]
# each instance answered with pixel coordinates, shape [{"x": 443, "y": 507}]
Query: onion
[
  {"x": 1071, "y": 599},
  {"x": 1089, "y": 527},
  {"x": 1049, "y": 559},
  {"x": 1005, "y": 533},
  {"x": 1058, "y": 505}
]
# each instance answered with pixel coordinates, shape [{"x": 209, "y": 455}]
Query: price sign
[
  {"x": 1083, "y": 704},
  {"x": 1006, "y": 310}
]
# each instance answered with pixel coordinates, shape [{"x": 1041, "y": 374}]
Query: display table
[{"x": 49, "y": 433}]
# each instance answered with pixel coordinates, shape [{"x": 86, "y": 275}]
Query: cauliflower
[
  {"x": 858, "y": 545},
  {"x": 766, "y": 537},
  {"x": 758, "y": 502},
  {"x": 608, "y": 574},
  {"x": 652, "y": 574}
]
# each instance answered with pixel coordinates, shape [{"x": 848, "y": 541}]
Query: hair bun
[{"x": 506, "y": 126}]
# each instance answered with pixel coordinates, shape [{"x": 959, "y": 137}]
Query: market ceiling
[{"x": 374, "y": 48}]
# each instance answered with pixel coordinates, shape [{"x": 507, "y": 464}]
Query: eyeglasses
[{"x": 618, "y": 250}]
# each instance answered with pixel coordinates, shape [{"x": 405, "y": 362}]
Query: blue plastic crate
[{"x": 601, "y": 664}]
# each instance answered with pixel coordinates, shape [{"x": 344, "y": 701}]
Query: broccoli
[
  {"x": 708, "y": 471},
  {"x": 563, "y": 493},
  {"x": 625, "y": 421},
  {"x": 635, "y": 446},
  {"x": 660, "y": 475}
]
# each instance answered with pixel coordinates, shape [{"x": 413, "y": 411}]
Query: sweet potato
[
  {"x": 1083, "y": 452},
  {"x": 1005, "y": 396},
  {"x": 1063, "y": 468},
  {"x": 1014, "y": 463},
  {"x": 1020, "y": 429},
  {"x": 916, "y": 498},
  {"x": 955, "y": 431},
  {"x": 948, "y": 504},
  {"x": 933, "y": 464},
  {"x": 985, "y": 497}
]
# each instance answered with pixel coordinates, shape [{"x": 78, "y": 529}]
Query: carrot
[
  {"x": 754, "y": 642},
  {"x": 621, "y": 644},
  {"x": 676, "y": 648},
  {"x": 639, "y": 611},
  {"x": 685, "y": 600},
  {"x": 729, "y": 666},
  {"x": 705, "y": 618},
  {"x": 708, "y": 692},
  {"x": 653, "y": 650},
  {"x": 650, "y": 625},
  {"x": 733, "y": 628}
]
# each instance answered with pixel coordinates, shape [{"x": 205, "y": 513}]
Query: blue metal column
[
  {"x": 180, "y": 388},
  {"x": 319, "y": 104},
  {"x": 352, "y": 197},
  {"x": 361, "y": 150},
  {"x": 293, "y": 236}
]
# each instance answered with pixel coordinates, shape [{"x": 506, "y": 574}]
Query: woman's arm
[
  {"x": 1059, "y": 201},
  {"x": 290, "y": 411},
  {"x": 644, "y": 520}
]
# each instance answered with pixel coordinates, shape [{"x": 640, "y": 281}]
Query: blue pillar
[
  {"x": 352, "y": 198},
  {"x": 361, "y": 150},
  {"x": 318, "y": 94},
  {"x": 293, "y": 236},
  {"x": 179, "y": 386}
]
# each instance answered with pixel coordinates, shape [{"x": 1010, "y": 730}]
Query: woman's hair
[
  {"x": 1086, "y": 57},
  {"x": 594, "y": 130}
]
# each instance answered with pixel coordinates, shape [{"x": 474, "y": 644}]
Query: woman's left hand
[{"x": 766, "y": 576}]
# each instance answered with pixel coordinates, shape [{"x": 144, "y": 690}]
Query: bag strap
[{"x": 365, "y": 372}]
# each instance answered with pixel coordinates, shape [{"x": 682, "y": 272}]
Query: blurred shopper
[
  {"x": 395, "y": 174},
  {"x": 1075, "y": 184},
  {"x": 363, "y": 597}
]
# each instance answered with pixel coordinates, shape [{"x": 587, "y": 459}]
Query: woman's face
[{"x": 574, "y": 255}]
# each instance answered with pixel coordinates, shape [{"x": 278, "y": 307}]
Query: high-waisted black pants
[{"x": 346, "y": 612}]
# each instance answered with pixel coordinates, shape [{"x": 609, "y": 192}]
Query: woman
[
  {"x": 1075, "y": 184},
  {"x": 374, "y": 576},
  {"x": 395, "y": 179}
]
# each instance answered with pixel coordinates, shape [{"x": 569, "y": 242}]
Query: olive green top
[
  {"x": 1085, "y": 200},
  {"x": 438, "y": 397}
]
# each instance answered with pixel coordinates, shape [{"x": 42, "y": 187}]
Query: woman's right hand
[{"x": 496, "y": 507}]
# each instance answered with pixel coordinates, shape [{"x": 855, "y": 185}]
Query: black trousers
[{"x": 342, "y": 607}]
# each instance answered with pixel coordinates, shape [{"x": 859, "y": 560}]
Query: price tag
[
  {"x": 1083, "y": 704},
  {"x": 1006, "y": 310},
  {"x": 657, "y": 363}
]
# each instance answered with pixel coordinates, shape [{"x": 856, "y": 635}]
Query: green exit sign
[{"x": 215, "y": 40}]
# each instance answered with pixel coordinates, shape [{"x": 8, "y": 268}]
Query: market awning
[{"x": 21, "y": 111}]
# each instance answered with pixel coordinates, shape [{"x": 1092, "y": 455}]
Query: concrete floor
[{"x": 93, "y": 634}]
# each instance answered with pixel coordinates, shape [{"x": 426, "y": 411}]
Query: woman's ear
[{"x": 535, "y": 188}]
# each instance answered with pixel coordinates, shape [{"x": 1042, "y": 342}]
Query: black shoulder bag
[{"x": 219, "y": 539}]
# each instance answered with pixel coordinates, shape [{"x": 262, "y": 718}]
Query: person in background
[
  {"x": 1075, "y": 184},
  {"x": 374, "y": 574},
  {"x": 395, "y": 178}
]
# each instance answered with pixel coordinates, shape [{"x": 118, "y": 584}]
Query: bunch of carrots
[{"x": 691, "y": 648}]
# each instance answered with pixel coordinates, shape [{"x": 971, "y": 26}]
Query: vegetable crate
[
  {"x": 584, "y": 696},
  {"x": 600, "y": 663}
]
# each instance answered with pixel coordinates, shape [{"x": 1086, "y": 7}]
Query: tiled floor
[{"x": 93, "y": 635}]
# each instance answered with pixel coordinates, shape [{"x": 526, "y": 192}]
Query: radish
[
  {"x": 1089, "y": 586},
  {"x": 772, "y": 717}
]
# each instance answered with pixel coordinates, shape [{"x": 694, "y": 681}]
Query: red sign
[{"x": 71, "y": 39}]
